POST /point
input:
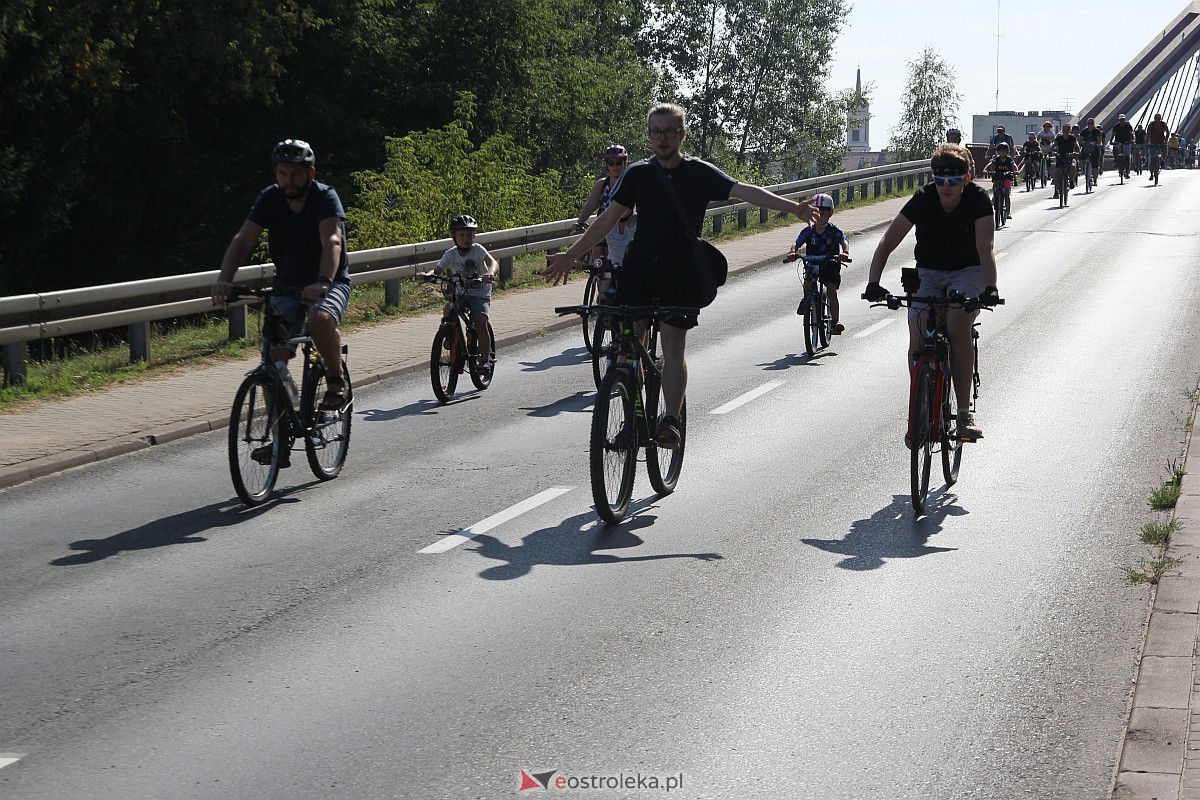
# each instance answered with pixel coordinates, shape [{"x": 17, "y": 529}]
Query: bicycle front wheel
[
  {"x": 254, "y": 440},
  {"x": 813, "y": 321},
  {"x": 590, "y": 290},
  {"x": 922, "y": 435},
  {"x": 951, "y": 445},
  {"x": 602, "y": 346},
  {"x": 482, "y": 378},
  {"x": 443, "y": 361},
  {"x": 663, "y": 464},
  {"x": 328, "y": 436},
  {"x": 613, "y": 448}
]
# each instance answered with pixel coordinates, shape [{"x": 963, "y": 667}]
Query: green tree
[
  {"x": 929, "y": 106},
  {"x": 753, "y": 73},
  {"x": 113, "y": 115},
  {"x": 430, "y": 176}
]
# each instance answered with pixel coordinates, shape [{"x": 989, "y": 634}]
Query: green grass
[
  {"x": 203, "y": 339},
  {"x": 1158, "y": 534},
  {"x": 1166, "y": 495},
  {"x": 1151, "y": 570}
]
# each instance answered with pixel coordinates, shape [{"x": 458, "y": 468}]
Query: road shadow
[
  {"x": 419, "y": 408},
  {"x": 892, "y": 533},
  {"x": 570, "y": 357},
  {"x": 576, "y": 541},
  {"x": 574, "y": 404},
  {"x": 797, "y": 360},
  {"x": 186, "y": 527}
]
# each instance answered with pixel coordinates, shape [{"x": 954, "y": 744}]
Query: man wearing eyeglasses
[
  {"x": 660, "y": 262},
  {"x": 953, "y": 218}
]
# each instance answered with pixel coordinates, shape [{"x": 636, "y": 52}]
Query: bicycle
[
  {"x": 1155, "y": 162},
  {"x": 1139, "y": 158},
  {"x": 818, "y": 324},
  {"x": 1031, "y": 172},
  {"x": 454, "y": 352},
  {"x": 1063, "y": 185},
  {"x": 931, "y": 412},
  {"x": 1001, "y": 197},
  {"x": 1089, "y": 171},
  {"x": 626, "y": 412},
  {"x": 265, "y": 421}
]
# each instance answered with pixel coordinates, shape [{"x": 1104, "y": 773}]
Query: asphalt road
[{"x": 781, "y": 626}]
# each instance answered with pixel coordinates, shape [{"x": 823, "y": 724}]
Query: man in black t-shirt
[
  {"x": 660, "y": 262},
  {"x": 1122, "y": 141},
  {"x": 1066, "y": 145},
  {"x": 953, "y": 218}
]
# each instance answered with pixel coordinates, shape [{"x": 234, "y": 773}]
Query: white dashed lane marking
[
  {"x": 883, "y": 323},
  {"x": 10, "y": 758},
  {"x": 453, "y": 540},
  {"x": 747, "y": 397}
]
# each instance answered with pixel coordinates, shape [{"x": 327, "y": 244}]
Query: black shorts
[
  {"x": 830, "y": 274},
  {"x": 668, "y": 282}
]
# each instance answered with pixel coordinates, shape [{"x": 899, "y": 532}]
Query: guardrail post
[
  {"x": 239, "y": 325},
  {"x": 506, "y": 269},
  {"x": 836, "y": 194},
  {"x": 878, "y": 188},
  {"x": 764, "y": 214},
  {"x": 14, "y": 364},
  {"x": 391, "y": 292},
  {"x": 742, "y": 213},
  {"x": 139, "y": 342},
  {"x": 887, "y": 185},
  {"x": 718, "y": 223}
]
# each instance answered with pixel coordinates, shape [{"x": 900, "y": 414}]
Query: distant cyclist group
[{"x": 660, "y": 275}]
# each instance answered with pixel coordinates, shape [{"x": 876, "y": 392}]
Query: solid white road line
[
  {"x": 453, "y": 540},
  {"x": 883, "y": 323},
  {"x": 10, "y": 758},
  {"x": 747, "y": 397}
]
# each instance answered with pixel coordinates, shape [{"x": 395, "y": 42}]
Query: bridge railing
[{"x": 135, "y": 305}]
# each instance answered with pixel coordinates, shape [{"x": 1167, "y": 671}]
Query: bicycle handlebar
[
  {"x": 633, "y": 312},
  {"x": 955, "y": 300},
  {"x": 262, "y": 292}
]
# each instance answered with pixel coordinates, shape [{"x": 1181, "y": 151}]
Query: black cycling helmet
[
  {"x": 293, "y": 151},
  {"x": 463, "y": 222}
]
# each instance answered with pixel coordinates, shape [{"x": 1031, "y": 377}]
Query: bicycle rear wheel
[
  {"x": 613, "y": 448},
  {"x": 663, "y": 464},
  {"x": 590, "y": 291},
  {"x": 922, "y": 435},
  {"x": 254, "y": 425},
  {"x": 444, "y": 361},
  {"x": 328, "y": 435},
  {"x": 482, "y": 378},
  {"x": 951, "y": 445},
  {"x": 813, "y": 320}
]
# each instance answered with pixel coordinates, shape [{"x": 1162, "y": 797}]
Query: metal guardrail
[{"x": 137, "y": 304}]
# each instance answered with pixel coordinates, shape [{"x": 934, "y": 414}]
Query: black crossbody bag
[{"x": 711, "y": 266}]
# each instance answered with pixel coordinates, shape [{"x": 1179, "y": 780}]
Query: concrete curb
[{"x": 1159, "y": 757}]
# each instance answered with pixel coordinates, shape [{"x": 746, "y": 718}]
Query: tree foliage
[
  {"x": 430, "y": 176},
  {"x": 929, "y": 106},
  {"x": 752, "y": 75},
  {"x": 134, "y": 134}
]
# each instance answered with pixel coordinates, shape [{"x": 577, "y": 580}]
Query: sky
[{"x": 881, "y": 36}]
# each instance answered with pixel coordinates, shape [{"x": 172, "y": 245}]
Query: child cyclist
[
  {"x": 479, "y": 270},
  {"x": 820, "y": 238}
]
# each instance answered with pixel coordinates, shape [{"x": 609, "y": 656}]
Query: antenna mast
[{"x": 997, "y": 106}]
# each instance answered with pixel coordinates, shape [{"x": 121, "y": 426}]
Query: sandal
[
  {"x": 667, "y": 436},
  {"x": 337, "y": 392}
]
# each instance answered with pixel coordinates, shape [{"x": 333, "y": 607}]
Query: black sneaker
[
  {"x": 262, "y": 455},
  {"x": 802, "y": 309}
]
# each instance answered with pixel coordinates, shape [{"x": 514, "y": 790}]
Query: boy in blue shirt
[{"x": 821, "y": 238}]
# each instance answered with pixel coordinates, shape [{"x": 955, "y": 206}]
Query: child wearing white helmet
[{"x": 821, "y": 238}]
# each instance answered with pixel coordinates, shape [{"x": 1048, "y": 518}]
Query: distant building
[
  {"x": 859, "y": 154},
  {"x": 1016, "y": 124}
]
